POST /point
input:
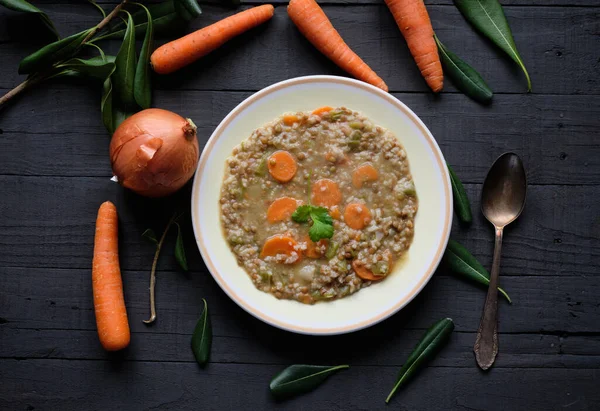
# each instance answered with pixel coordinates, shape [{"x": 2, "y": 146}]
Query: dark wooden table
[{"x": 54, "y": 173}]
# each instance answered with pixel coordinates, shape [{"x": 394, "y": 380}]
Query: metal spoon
[{"x": 502, "y": 200}]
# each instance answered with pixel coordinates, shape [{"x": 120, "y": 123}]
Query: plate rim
[{"x": 290, "y": 326}]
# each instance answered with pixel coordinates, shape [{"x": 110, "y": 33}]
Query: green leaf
[
  {"x": 300, "y": 378},
  {"x": 488, "y": 17},
  {"x": 202, "y": 337},
  {"x": 124, "y": 74},
  {"x": 100, "y": 9},
  {"x": 464, "y": 77},
  {"x": 302, "y": 213},
  {"x": 26, "y": 7},
  {"x": 433, "y": 340},
  {"x": 142, "y": 90},
  {"x": 95, "y": 67},
  {"x": 53, "y": 52},
  {"x": 462, "y": 207},
  {"x": 180, "y": 250},
  {"x": 187, "y": 9},
  {"x": 462, "y": 264},
  {"x": 150, "y": 235},
  {"x": 106, "y": 106}
]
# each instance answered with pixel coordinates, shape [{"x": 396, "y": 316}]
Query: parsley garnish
[{"x": 322, "y": 226}]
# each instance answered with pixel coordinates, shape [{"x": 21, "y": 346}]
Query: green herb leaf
[
  {"x": 300, "y": 378},
  {"x": 141, "y": 86},
  {"x": 106, "y": 106},
  {"x": 180, "y": 250},
  {"x": 488, "y": 17},
  {"x": 95, "y": 67},
  {"x": 100, "y": 9},
  {"x": 462, "y": 207},
  {"x": 53, "y": 52},
  {"x": 464, "y": 77},
  {"x": 187, "y": 9},
  {"x": 462, "y": 263},
  {"x": 150, "y": 235},
  {"x": 433, "y": 340},
  {"x": 26, "y": 7},
  {"x": 302, "y": 213},
  {"x": 202, "y": 337},
  {"x": 125, "y": 70}
]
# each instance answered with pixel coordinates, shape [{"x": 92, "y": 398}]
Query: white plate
[{"x": 432, "y": 224}]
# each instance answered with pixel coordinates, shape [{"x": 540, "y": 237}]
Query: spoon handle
[{"x": 486, "y": 344}]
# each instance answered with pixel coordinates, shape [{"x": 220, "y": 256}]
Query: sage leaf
[
  {"x": 150, "y": 235},
  {"x": 142, "y": 91},
  {"x": 95, "y": 67},
  {"x": 124, "y": 74},
  {"x": 26, "y": 7},
  {"x": 180, "y": 250},
  {"x": 462, "y": 206},
  {"x": 462, "y": 263},
  {"x": 53, "y": 52},
  {"x": 464, "y": 77},
  {"x": 202, "y": 337},
  {"x": 433, "y": 340},
  {"x": 300, "y": 378},
  {"x": 187, "y": 9},
  {"x": 487, "y": 16}
]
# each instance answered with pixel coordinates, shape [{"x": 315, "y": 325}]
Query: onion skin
[{"x": 154, "y": 152}]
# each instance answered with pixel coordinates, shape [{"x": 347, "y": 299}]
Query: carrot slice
[
  {"x": 290, "y": 119},
  {"x": 322, "y": 110},
  {"x": 281, "y": 209},
  {"x": 363, "y": 173},
  {"x": 313, "y": 249},
  {"x": 357, "y": 216},
  {"x": 364, "y": 273},
  {"x": 280, "y": 244},
  {"x": 326, "y": 193},
  {"x": 282, "y": 166},
  {"x": 335, "y": 213}
]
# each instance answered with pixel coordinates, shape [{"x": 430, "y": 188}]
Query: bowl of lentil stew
[{"x": 365, "y": 162}]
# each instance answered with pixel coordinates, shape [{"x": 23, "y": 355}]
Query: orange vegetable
[
  {"x": 414, "y": 23},
  {"x": 326, "y": 193},
  {"x": 281, "y": 209},
  {"x": 107, "y": 286},
  {"x": 364, "y": 273},
  {"x": 357, "y": 216},
  {"x": 322, "y": 110},
  {"x": 363, "y": 173},
  {"x": 185, "y": 50},
  {"x": 290, "y": 119},
  {"x": 280, "y": 244},
  {"x": 335, "y": 213},
  {"x": 316, "y": 27},
  {"x": 313, "y": 249},
  {"x": 282, "y": 166}
]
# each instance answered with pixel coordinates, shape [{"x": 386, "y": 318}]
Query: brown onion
[{"x": 154, "y": 152}]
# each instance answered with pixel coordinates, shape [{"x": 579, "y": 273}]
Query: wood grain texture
[
  {"x": 558, "y": 45},
  {"x": 556, "y": 135}
]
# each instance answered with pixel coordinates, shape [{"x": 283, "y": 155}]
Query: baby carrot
[
  {"x": 107, "y": 286},
  {"x": 316, "y": 27},
  {"x": 322, "y": 110},
  {"x": 185, "y": 50},
  {"x": 279, "y": 244},
  {"x": 357, "y": 216},
  {"x": 415, "y": 25},
  {"x": 281, "y": 209},
  {"x": 363, "y": 173},
  {"x": 364, "y": 273},
  {"x": 326, "y": 193},
  {"x": 335, "y": 213},
  {"x": 313, "y": 250},
  {"x": 282, "y": 166},
  {"x": 290, "y": 119}
]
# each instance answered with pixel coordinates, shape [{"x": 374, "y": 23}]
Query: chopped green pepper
[
  {"x": 354, "y": 140},
  {"x": 356, "y": 125},
  {"x": 261, "y": 170},
  {"x": 332, "y": 250}
]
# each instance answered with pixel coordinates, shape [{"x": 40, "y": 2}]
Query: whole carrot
[
  {"x": 109, "y": 304},
  {"x": 316, "y": 27},
  {"x": 181, "y": 52},
  {"x": 415, "y": 25}
]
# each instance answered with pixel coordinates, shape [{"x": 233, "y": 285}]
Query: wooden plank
[
  {"x": 66, "y": 385},
  {"x": 556, "y": 135},
  {"x": 517, "y": 350},
  {"x": 48, "y": 298},
  {"x": 560, "y": 38},
  {"x": 49, "y": 222}
]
